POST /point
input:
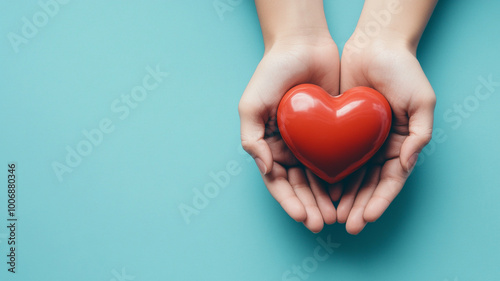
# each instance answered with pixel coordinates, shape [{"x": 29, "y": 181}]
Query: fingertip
[
  {"x": 327, "y": 210},
  {"x": 300, "y": 218},
  {"x": 355, "y": 222},
  {"x": 266, "y": 156},
  {"x": 261, "y": 152},
  {"x": 317, "y": 230},
  {"x": 374, "y": 210},
  {"x": 262, "y": 167},
  {"x": 355, "y": 227},
  {"x": 410, "y": 150},
  {"x": 342, "y": 214},
  {"x": 370, "y": 217},
  {"x": 354, "y": 231},
  {"x": 314, "y": 220},
  {"x": 297, "y": 212},
  {"x": 411, "y": 162},
  {"x": 314, "y": 224},
  {"x": 331, "y": 218}
]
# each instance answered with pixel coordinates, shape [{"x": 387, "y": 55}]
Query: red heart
[{"x": 333, "y": 136}]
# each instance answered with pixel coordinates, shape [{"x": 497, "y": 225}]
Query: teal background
[{"x": 118, "y": 210}]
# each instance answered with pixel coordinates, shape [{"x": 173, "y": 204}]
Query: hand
[
  {"x": 309, "y": 58},
  {"x": 389, "y": 66}
]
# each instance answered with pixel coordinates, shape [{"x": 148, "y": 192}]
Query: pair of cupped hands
[{"x": 388, "y": 65}]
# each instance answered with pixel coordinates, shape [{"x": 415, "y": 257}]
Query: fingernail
[
  {"x": 412, "y": 162},
  {"x": 261, "y": 165}
]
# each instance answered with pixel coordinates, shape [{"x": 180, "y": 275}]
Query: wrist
[
  {"x": 397, "y": 22},
  {"x": 312, "y": 37},
  {"x": 393, "y": 39},
  {"x": 359, "y": 52},
  {"x": 292, "y": 22}
]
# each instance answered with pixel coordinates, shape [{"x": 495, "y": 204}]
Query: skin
[
  {"x": 388, "y": 64},
  {"x": 299, "y": 49}
]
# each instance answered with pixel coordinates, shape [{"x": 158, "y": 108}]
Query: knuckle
[
  {"x": 241, "y": 108},
  {"x": 425, "y": 136},
  {"x": 430, "y": 100},
  {"x": 245, "y": 107},
  {"x": 247, "y": 145}
]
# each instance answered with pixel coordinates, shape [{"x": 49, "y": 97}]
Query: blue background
[{"x": 117, "y": 212}]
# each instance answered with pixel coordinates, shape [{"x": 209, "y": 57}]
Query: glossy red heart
[{"x": 333, "y": 136}]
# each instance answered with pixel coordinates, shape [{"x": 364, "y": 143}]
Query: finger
[
  {"x": 353, "y": 183},
  {"x": 280, "y": 151},
  {"x": 278, "y": 185},
  {"x": 392, "y": 179},
  {"x": 300, "y": 185},
  {"x": 355, "y": 221},
  {"x": 420, "y": 128},
  {"x": 325, "y": 205},
  {"x": 390, "y": 149},
  {"x": 335, "y": 190},
  {"x": 252, "y": 122}
]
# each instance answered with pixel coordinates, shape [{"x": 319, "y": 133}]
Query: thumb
[
  {"x": 420, "y": 127},
  {"x": 253, "y": 124}
]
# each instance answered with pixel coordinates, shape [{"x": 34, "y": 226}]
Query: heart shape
[{"x": 333, "y": 136}]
